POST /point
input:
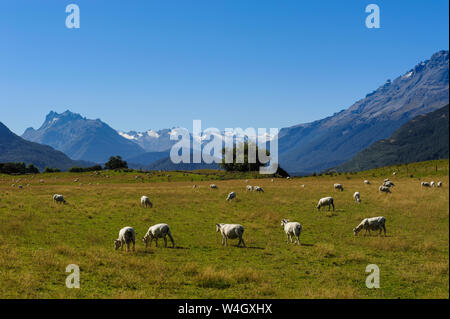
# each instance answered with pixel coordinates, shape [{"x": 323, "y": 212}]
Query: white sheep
[
  {"x": 195, "y": 186},
  {"x": 231, "y": 196},
  {"x": 258, "y": 189},
  {"x": 249, "y": 188},
  {"x": 432, "y": 184},
  {"x": 357, "y": 197},
  {"x": 386, "y": 180},
  {"x": 59, "y": 198},
  {"x": 384, "y": 189},
  {"x": 145, "y": 201},
  {"x": 158, "y": 231},
  {"x": 339, "y": 186},
  {"x": 230, "y": 231},
  {"x": 388, "y": 184},
  {"x": 127, "y": 235},
  {"x": 366, "y": 182},
  {"x": 213, "y": 186},
  {"x": 368, "y": 224},
  {"x": 292, "y": 229},
  {"x": 425, "y": 184},
  {"x": 324, "y": 202},
  {"x": 439, "y": 184}
]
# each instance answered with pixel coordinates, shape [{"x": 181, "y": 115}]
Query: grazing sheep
[
  {"x": 324, "y": 202},
  {"x": 339, "y": 186},
  {"x": 158, "y": 231},
  {"x": 195, "y": 186},
  {"x": 145, "y": 201},
  {"x": 357, "y": 197},
  {"x": 258, "y": 189},
  {"x": 366, "y": 182},
  {"x": 249, "y": 188},
  {"x": 231, "y": 196},
  {"x": 59, "y": 198},
  {"x": 394, "y": 173},
  {"x": 230, "y": 231},
  {"x": 292, "y": 229},
  {"x": 303, "y": 185},
  {"x": 76, "y": 180},
  {"x": 271, "y": 180},
  {"x": 384, "y": 189},
  {"x": 388, "y": 184},
  {"x": 425, "y": 184},
  {"x": 41, "y": 181},
  {"x": 439, "y": 184},
  {"x": 127, "y": 235},
  {"x": 386, "y": 180},
  {"x": 368, "y": 224},
  {"x": 213, "y": 186},
  {"x": 288, "y": 177},
  {"x": 432, "y": 184}
]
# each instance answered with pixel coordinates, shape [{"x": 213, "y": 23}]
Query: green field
[{"x": 40, "y": 238}]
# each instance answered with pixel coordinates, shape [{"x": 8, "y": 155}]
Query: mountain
[
  {"x": 81, "y": 138},
  {"x": 15, "y": 149},
  {"x": 423, "y": 138},
  {"x": 336, "y": 139},
  {"x": 146, "y": 159},
  {"x": 150, "y": 141},
  {"x": 166, "y": 164}
]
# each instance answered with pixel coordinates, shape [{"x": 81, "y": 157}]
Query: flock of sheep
[{"x": 127, "y": 235}]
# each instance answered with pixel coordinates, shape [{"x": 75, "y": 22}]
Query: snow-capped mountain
[{"x": 81, "y": 138}]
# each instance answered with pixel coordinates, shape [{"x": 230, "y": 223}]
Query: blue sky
[{"x": 147, "y": 64}]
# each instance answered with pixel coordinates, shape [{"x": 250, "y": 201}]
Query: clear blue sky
[{"x": 147, "y": 64}]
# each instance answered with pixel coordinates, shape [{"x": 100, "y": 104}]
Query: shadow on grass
[{"x": 307, "y": 245}]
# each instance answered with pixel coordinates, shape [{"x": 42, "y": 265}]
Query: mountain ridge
[{"x": 328, "y": 142}]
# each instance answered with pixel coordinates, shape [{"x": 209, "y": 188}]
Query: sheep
[
  {"x": 57, "y": 198},
  {"x": 213, "y": 186},
  {"x": 158, "y": 231},
  {"x": 303, "y": 185},
  {"x": 195, "y": 186},
  {"x": 384, "y": 189},
  {"x": 288, "y": 177},
  {"x": 439, "y": 184},
  {"x": 388, "y": 184},
  {"x": 366, "y": 182},
  {"x": 231, "y": 196},
  {"x": 258, "y": 189},
  {"x": 249, "y": 188},
  {"x": 386, "y": 180},
  {"x": 325, "y": 201},
  {"x": 394, "y": 173},
  {"x": 76, "y": 180},
  {"x": 145, "y": 201},
  {"x": 292, "y": 229},
  {"x": 339, "y": 186},
  {"x": 271, "y": 180},
  {"x": 368, "y": 224},
  {"x": 230, "y": 231},
  {"x": 432, "y": 184},
  {"x": 127, "y": 235},
  {"x": 357, "y": 197},
  {"x": 425, "y": 184}
]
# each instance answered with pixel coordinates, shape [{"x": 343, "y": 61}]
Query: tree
[
  {"x": 116, "y": 162},
  {"x": 246, "y": 166}
]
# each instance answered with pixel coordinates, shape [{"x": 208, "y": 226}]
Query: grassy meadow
[{"x": 40, "y": 238}]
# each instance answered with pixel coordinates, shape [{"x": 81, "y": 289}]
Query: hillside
[
  {"x": 423, "y": 138},
  {"x": 82, "y": 138},
  {"x": 331, "y": 141},
  {"x": 15, "y": 149}
]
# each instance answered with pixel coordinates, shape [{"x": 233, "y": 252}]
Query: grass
[{"x": 40, "y": 238}]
